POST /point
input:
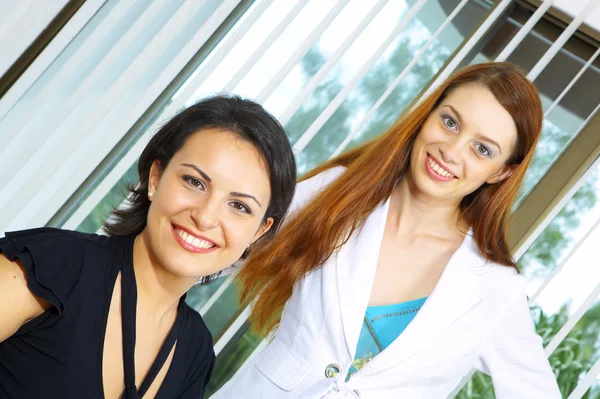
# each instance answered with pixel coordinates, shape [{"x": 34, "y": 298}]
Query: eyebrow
[
  {"x": 207, "y": 177},
  {"x": 197, "y": 169},
  {"x": 479, "y": 135},
  {"x": 235, "y": 194}
]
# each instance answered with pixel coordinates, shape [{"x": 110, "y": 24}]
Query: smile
[
  {"x": 193, "y": 243},
  {"x": 437, "y": 171}
]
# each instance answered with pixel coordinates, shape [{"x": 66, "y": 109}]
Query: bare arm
[{"x": 17, "y": 303}]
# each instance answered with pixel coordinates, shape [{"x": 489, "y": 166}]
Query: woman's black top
[{"x": 59, "y": 353}]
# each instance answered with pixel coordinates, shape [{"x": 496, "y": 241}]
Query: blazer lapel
[
  {"x": 356, "y": 262},
  {"x": 455, "y": 293}
]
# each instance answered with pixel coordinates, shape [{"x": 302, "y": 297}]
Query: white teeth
[
  {"x": 438, "y": 169},
  {"x": 194, "y": 241},
  {"x": 201, "y": 243}
]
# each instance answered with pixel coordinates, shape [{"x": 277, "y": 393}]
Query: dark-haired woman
[
  {"x": 88, "y": 316},
  {"x": 393, "y": 278}
]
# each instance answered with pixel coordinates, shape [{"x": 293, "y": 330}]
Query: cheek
[
  {"x": 168, "y": 203},
  {"x": 430, "y": 136},
  {"x": 431, "y": 132},
  {"x": 239, "y": 232},
  {"x": 417, "y": 146},
  {"x": 477, "y": 172}
]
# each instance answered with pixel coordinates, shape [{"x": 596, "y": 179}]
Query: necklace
[{"x": 372, "y": 332}]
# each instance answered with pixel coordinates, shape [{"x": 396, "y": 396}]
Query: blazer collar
[
  {"x": 355, "y": 267},
  {"x": 456, "y": 292}
]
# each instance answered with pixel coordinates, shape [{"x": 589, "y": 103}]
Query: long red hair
[{"x": 315, "y": 232}]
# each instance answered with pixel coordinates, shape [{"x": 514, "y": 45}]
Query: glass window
[
  {"x": 377, "y": 80},
  {"x": 82, "y": 105},
  {"x": 560, "y": 237},
  {"x": 594, "y": 391},
  {"x": 564, "y": 119},
  {"x": 231, "y": 359},
  {"x": 35, "y": 15},
  {"x": 579, "y": 351},
  {"x": 112, "y": 200},
  {"x": 570, "y": 240}
]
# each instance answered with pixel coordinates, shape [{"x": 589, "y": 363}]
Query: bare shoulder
[{"x": 17, "y": 303}]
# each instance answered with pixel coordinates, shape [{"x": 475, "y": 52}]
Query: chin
[
  {"x": 186, "y": 271},
  {"x": 424, "y": 185},
  {"x": 195, "y": 268},
  {"x": 434, "y": 190}
]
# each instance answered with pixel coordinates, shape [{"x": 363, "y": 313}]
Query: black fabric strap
[
  {"x": 128, "y": 317},
  {"x": 163, "y": 354},
  {"x": 128, "y": 323}
]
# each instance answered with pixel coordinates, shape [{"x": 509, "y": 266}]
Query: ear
[
  {"x": 504, "y": 173},
  {"x": 266, "y": 226},
  {"x": 154, "y": 177}
]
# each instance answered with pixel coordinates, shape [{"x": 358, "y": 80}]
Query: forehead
[
  {"x": 481, "y": 112},
  {"x": 232, "y": 163}
]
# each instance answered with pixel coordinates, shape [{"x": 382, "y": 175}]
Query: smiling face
[
  {"x": 208, "y": 204},
  {"x": 465, "y": 142}
]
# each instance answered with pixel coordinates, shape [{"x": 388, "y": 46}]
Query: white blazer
[{"x": 476, "y": 317}]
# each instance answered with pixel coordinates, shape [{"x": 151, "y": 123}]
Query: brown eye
[
  {"x": 241, "y": 207},
  {"x": 194, "y": 182}
]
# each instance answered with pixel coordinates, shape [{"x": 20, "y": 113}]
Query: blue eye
[
  {"x": 450, "y": 122},
  {"x": 194, "y": 182},
  {"x": 483, "y": 150},
  {"x": 241, "y": 207}
]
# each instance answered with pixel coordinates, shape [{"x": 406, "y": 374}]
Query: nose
[
  {"x": 205, "y": 214},
  {"x": 451, "y": 152}
]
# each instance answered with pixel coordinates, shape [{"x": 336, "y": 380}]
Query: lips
[
  {"x": 437, "y": 170},
  {"x": 193, "y": 242}
]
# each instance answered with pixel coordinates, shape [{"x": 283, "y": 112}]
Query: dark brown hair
[{"x": 243, "y": 117}]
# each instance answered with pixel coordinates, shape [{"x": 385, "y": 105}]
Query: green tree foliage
[
  {"x": 570, "y": 361},
  {"x": 542, "y": 256},
  {"x": 371, "y": 87},
  {"x": 112, "y": 200}
]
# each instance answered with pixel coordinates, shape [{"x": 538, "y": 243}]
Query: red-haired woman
[{"x": 415, "y": 218}]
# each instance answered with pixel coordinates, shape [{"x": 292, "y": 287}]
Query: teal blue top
[{"x": 381, "y": 326}]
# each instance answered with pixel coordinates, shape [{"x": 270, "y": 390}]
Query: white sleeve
[{"x": 514, "y": 357}]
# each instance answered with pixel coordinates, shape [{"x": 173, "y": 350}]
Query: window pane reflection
[
  {"x": 566, "y": 118},
  {"x": 579, "y": 351},
  {"x": 231, "y": 361}
]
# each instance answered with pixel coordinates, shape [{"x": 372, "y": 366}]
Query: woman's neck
[
  {"x": 158, "y": 290},
  {"x": 416, "y": 214}
]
